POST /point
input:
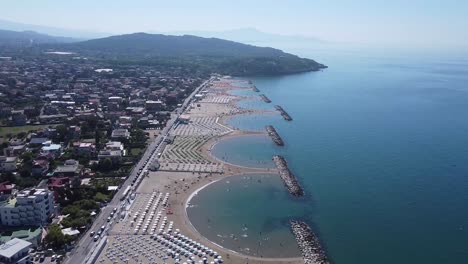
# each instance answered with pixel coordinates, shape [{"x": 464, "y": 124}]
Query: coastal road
[{"x": 86, "y": 245}]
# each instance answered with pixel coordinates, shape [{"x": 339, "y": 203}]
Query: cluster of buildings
[
  {"x": 67, "y": 96},
  {"x": 72, "y": 87}
]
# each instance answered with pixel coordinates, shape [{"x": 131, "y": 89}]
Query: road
[{"x": 86, "y": 245}]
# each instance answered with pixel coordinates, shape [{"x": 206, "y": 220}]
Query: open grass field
[{"x": 18, "y": 129}]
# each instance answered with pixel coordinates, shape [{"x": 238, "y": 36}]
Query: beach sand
[{"x": 183, "y": 185}]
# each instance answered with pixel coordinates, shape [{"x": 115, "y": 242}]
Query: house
[
  {"x": 49, "y": 148},
  {"x": 152, "y": 105},
  {"x": 12, "y": 151},
  {"x": 70, "y": 168},
  {"x": 74, "y": 132},
  {"x": 40, "y": 167},
  {"x": 55, "y": 183},
  {"x": 37, "y": 141},
  {"x": 114, "y": 155},
  {"x": 18, "y": 118},
  {"x": 6, "y": 190},
  {"x": 120, "y": 134},
  {"x": 84, "y": 149},
  {"x": 7, "y": 164},
  {"x": 15, "y": 251},
  {"x": 114, "y": 145}
]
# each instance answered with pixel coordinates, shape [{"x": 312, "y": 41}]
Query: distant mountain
[
  {"x": 54, "y": 31},
  {"x": 209, "y": 54},
  {"x": 251, "y": 36},
  {"x": 28, "y": 38}
]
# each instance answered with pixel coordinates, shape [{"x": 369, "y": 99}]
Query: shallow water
[
  {"x": 380, "y": 146},
  {"x": 260, "y": 228}
]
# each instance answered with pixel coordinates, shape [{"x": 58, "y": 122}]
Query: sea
[{"x": 379, "y": 143}]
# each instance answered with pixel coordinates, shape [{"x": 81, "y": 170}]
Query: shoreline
[
  {"x": 250, "y": 257},
  {"x": 181, "y": 184}
]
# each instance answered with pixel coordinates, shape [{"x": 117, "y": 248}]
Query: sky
[{"x": 396, "y": 23}]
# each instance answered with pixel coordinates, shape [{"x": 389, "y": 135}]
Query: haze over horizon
[{"x": 398, "y": 24}]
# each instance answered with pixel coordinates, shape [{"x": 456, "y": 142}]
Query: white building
[
  {"x": 15, "y": 251},
  {"x": 7, "y": 164},
  {"x": 29, "y": 207}
]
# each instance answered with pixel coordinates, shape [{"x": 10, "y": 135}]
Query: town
[{"x": 72, "y": 130}]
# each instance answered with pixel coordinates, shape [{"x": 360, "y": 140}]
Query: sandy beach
[{"x": 187, "y": 166}]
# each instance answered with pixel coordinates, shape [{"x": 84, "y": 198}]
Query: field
[{"x": 18, "y": 129}]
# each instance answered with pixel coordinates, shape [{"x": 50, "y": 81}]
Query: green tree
[
  {"x": 105, "y": 165},
  {"x": 55, "y": 238}
]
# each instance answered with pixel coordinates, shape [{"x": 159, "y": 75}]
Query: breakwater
[
  {"x": 274, "y": 135},
  {"x": 265, "y": 98},
  {"x": 289, "y": 179},
  {"x": 308, "y": 243},
  {"x": 283, "y": 113},
  {"x": 255, "y": 89}
]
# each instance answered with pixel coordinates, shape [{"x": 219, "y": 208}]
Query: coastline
[{"x": 182, "y": 185}]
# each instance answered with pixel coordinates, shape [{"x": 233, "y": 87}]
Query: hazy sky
[{"x": 438, "y": 23}]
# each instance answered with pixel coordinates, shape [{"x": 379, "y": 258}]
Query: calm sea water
[{"x": 380, "y": 145}]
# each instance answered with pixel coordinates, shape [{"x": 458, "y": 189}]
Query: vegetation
[
  {"x": 205, "y": 55},
  {"x": 11, "y": 131},
  {"x": 55, "y": 238}
]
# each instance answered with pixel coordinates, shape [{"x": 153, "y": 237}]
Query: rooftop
[{"x": 12, "y": 247}]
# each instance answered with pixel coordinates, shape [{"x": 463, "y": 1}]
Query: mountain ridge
[{"x": 211, "y": 54}]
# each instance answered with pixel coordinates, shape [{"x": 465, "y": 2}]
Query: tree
[
  {"x": 75, "y": 182},
  {"x": 55, "y": 238},
  {"x": 24, "y": 173},
  {"x": 106, "y": 165}
]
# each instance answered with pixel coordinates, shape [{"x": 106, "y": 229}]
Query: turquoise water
[
  {"x": 381, "y": 147},
  {"x": 258, "y": 155},
  {"x": 256, "y": 103},
  {"x": 243, "y": 92},
  {"x": 236, "y": 229}
]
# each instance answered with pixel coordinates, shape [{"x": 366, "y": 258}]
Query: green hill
[{"x": 208, "y": 54}]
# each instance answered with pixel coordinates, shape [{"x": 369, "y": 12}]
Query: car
[
  {"x": 53, "y": 258},
  {"x": 96, "y": 238},
  {"x": 92, "y": 233},
  {"x": 103, "y": 227},
  {"x": 99, "y": 233},
  {"x": 109, "y": 219}
]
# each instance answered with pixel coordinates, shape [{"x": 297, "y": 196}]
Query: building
[
  {"x": 114, "y": 145},
  {"x": 153, "y": 105},
  {"x": 37, "y": 141},
  {"x": 40, "y": 167},
  {"x": 85, "y": 149},
  {"x": 30, "y": 207},
  {"x": 70, "y": 168},
  {"x": 49, "y": 148},
  {"x": 120, "y": 134},
  {"x": 7, "y": 164},
  {"x": 12, "y": 151},
  {"x": 74, "y": 132},
  {"x": 32, "y": 234},
  {"x": 114, "y": 155},
  {"x": 15, "y": 251},
  {"x": 55, "y": 183},
  {"x": 6, "y": 190},
  {"x": 184, "y": 119},
  {"x": 19, "y": 118}
]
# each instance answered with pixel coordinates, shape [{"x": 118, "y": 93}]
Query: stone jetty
[
  {"x": 265, "y": 98},
  {"x": 283, "y": 113},
  {"x": 289, "y": 179},
  {"x": 308, "y": 243},
  {"x": 274, "y": 135},
  {"x": 255, "y": 89}
]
